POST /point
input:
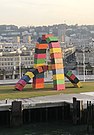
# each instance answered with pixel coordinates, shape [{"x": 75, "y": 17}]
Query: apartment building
[
  {"x": 10, "y": 64},
  {"x": 13, "y": 57}
]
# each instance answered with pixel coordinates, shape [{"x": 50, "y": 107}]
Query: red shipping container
[
  {"x": 72, "y": 77},
  {"x": 38, "y": 80},
  {"x": 59, "y": 87},
  {"x": 19, "y": 87},
  {"x": 44, "y": 37},
  {"x": 54, "y": 45},
  {"x": 40, "y": 56},
  {"x": 22, "y": 82}
]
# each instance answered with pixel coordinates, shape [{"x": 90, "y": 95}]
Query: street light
[
  {"x": 19, "y": 51},
  {"x": 84, "y": 62}
]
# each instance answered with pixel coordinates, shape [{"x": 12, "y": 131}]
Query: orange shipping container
[
  {"x": 57, "y": 66},
  {"x": 56, "y": 55},
  {"x": 38, "y": 80},
  {"x": 40, "y": 70},
  {"x": 41, "y": 46},
  {"x": 38, "y": 85}
]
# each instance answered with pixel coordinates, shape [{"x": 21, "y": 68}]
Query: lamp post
[
  {"x": 84, "y": 63},
  {"x": 78, "y": 67},
  {"x": 19, "y": 50}
]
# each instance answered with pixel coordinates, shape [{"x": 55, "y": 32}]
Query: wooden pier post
[
  {"x": 93, "y": 116},
  {"x": 16, "y": 114},
  {"x": 77, "y": 111},
  {"x": 74, "y": 111},
  {"x": 89, "y": 116}
]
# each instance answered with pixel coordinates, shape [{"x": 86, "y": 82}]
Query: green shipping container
[
  {"x": 69, "y": 73},
  {"x": 39, "y": 61},
  {"x": 58, "y": 82},
  {"x": 52, "y": 39}
]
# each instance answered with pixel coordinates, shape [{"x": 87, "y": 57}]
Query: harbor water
[{"x": 50, "y": 128}]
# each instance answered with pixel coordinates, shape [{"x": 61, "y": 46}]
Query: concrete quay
[{"x": 47, "y": 101}]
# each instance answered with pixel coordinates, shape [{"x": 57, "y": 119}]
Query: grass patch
[{"x": 9, "y": 92}]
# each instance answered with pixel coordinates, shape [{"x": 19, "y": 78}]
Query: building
[
  {"x": 13, "y": 58},
  {"x": 85, "y": 60},
  {"x": 10, "y": 65},
  {"x": 26, "y": 39}
]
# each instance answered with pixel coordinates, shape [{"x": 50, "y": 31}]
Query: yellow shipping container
[
  {"x": 58, "y": 76},
  {"x": 55, "y": 50},
  {"x": 78, "y": 85},
  {"x": 30, "y": 74}
]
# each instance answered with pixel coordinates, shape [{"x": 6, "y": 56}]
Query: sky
[{"x": 46, "y": 12}]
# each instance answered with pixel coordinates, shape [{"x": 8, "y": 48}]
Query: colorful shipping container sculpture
[{"x": 57, "y": 67}]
